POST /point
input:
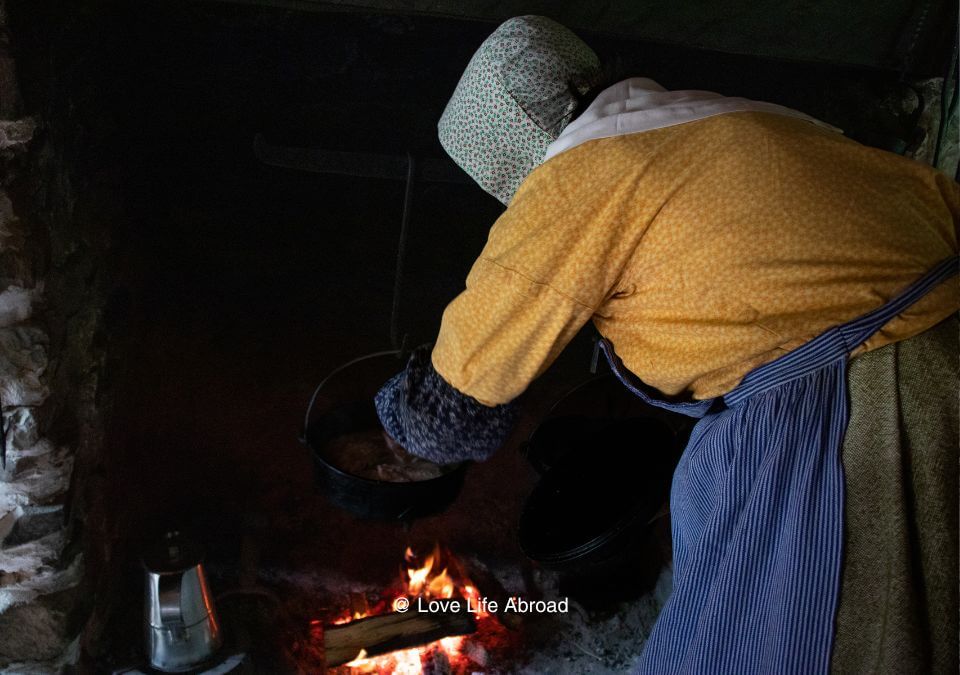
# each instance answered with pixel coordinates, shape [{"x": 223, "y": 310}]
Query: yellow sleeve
[
  {"x": 502, "y": 332},
  {"x": 550, "y": 263}
]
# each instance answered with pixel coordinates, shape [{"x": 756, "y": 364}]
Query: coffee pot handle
[{"x": 169, "y": 593}]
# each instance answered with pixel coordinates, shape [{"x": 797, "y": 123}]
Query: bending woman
[{"x": 748, "y": 266}]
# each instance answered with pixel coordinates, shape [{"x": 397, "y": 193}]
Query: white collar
[{"x": 640, "y": 104}]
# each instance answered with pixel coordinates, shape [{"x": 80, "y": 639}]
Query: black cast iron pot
[
  {"x": 604, "y": 479},
  {"x": 365, "y": 497}
]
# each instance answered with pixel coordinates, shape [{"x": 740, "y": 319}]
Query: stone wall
[
  {"x": 51, "y": 357},
  {"x": 930, "y": 121}
]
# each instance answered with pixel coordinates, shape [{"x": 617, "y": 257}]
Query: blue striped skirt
[{"x": 757, "y": 511}]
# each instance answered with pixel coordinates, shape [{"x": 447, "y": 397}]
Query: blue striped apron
[{"x": 757, "y": 510}]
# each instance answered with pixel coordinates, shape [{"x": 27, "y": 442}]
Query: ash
[{"x": 583, "y": 642}]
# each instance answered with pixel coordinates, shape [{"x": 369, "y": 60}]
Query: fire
[
  {"x": 359, "y": 661},
  {"x": 436, "y": 576},
  {"x": 422, "y": 582}
]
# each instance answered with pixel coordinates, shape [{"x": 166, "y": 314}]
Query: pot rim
[{"x": 317, "y": 454}]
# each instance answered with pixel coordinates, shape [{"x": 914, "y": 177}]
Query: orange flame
[
  {"x": 419, "y": 580},
  {"x": 422, "y": 582},
  {"x": 359, "y": 661}
]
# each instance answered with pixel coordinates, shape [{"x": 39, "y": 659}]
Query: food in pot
[{"x": 369, "y": 454}]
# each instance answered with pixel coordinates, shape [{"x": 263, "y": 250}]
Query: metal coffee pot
[{"x": 181, "y": 626}]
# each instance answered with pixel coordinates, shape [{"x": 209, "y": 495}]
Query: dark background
[{"x": 234, "y": 287}]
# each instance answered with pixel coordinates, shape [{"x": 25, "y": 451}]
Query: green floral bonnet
[{"x": 515, "y": 97}]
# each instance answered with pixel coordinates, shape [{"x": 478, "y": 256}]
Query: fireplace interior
[{"x": 210, "y": 259}]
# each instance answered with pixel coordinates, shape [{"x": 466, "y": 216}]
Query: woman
[{"x": 746, "y": 265}]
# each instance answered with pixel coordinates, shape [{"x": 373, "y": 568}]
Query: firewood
[
  {"x": 385, "y": 633},
  {"x": 490, "y": 587}
]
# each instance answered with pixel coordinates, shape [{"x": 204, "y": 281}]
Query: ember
[{"x": 394, "y": 622}]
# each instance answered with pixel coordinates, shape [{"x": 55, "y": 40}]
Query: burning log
[
  {"x": 375, "y": 635},
  {"x": 489, "y": 587}
]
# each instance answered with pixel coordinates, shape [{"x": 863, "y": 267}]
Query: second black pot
[{"x": 597, "y": 498}]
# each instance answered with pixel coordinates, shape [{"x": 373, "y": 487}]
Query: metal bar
[{"x": 358, "y": 164}]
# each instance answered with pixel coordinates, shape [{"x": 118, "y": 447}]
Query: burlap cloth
[{"x": 898, "y": 607}]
